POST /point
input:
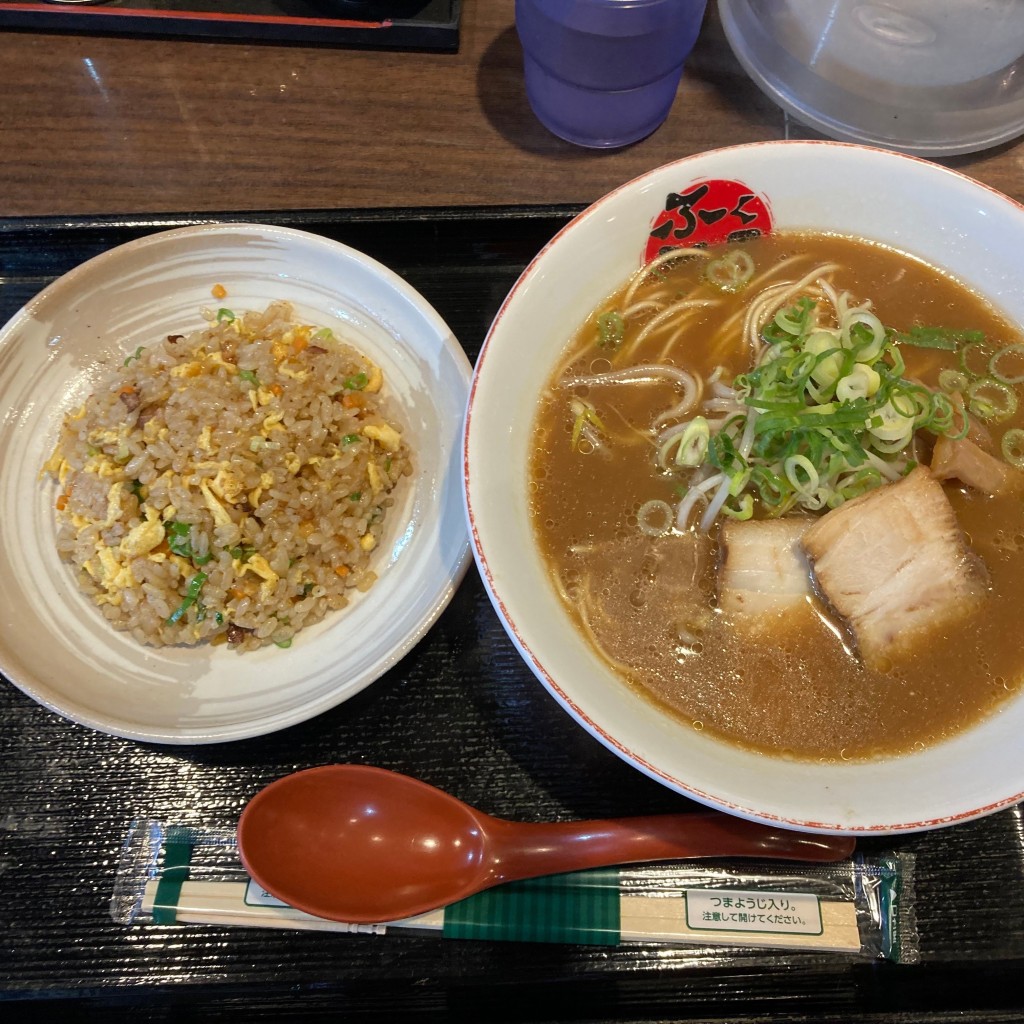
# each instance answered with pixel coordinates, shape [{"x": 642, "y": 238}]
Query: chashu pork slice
[
  {"x": 763, "y": 570},
  {"x": 893, "y": 564},
  {"x": 974, "y": 467}
]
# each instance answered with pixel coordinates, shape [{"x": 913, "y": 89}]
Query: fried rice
[{"x": 231, "y": 485}]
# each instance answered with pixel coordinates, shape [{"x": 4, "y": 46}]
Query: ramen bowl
[
  {"x": 55, "y": 643},
  {"x": 940, "y": 216}
]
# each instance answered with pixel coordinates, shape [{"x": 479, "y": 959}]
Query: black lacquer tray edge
[
  {"x": 301, "y": 218},
  {"x": 508, "y": 235}
]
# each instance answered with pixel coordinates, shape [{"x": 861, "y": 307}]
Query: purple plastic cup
[{"x": 604, "y": 73}]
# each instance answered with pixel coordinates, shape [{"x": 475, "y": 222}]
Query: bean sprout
[{"x": 694, "y": 494}]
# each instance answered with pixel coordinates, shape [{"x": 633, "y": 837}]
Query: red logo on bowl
[{"x": 708, "y": 213}]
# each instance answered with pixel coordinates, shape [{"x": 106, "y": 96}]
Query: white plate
[{"x": 55, "y": 644}]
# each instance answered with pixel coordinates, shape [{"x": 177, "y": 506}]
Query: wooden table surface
[{"x": 99, "y": 125}]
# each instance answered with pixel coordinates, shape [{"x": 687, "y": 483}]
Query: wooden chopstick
[{"x": 642, "y": 919}]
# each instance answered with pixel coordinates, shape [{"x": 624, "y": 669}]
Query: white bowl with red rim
[{"x": 949, "y": 220}]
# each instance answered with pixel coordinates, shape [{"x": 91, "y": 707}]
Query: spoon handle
[{"x": 526, "y": 850}]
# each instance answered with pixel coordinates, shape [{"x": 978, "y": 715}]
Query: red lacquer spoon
[{"x": 361, "y": 844}]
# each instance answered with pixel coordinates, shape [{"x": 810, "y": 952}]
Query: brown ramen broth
[{"x": 649, "y": 601}]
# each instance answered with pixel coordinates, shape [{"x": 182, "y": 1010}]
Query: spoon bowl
[{"x": 361, "y": 844}]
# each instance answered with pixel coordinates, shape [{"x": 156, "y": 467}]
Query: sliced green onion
[
  {"x": 863, "y": 480},
  {"x": 944, "y": 338},
  {"x": 974, "y": 350},
  {"x": 899, "y": 367},
  {"x": 795, "y": 319},
  {"x": 793, "y": 467},
  {"x": 892, "y": 447},
  {"x": 889, "y": 423},
  {"x": 283, "y": 644},
  {"x": 743, "y": 511},
  {"x": 1016, "y": 349},
  {"x": 137, "y": 354},
  {"x": 224, "y": 315},
  {"x": 828, "y": 350},
  {"x": 731, "y": 272},
  {"x": 611, "y": 329},
  {"x": 827, "y": 412},
  {"x": 584, "y": 413},
  {"x": 191, "y": 596},
  {"x": 655, "y": 518},
  {"x": 178, "y": 540},
  {"x": 357, "y": 382},
  {"x": 781, "y": 406},
  {"x": 175, "y": 532},
  {"x": 942, "y": 416},
  {"x": 865, "y": 334},
  {"x": 324, "y": 334},
  {"x": 691, "y": 444},
  {"x": 861, "y": 382},
  {"x": 953, "y": 380},
  {"x": 350, "y": 439},
  {"x": 722, "y": 454},
  {"x": 770, "y": 486},
  {"x": 250, "y": 377},
  {"x": 908, "y": 402},
  {"x": 991, "y": 400},
  {"x": 1013, "y": 447},
  {"x": 738, "y": 480}
]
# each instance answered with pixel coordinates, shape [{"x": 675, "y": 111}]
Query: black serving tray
[
  {"x": 461, "y": 711},
  {"x": 373, "y": 24}
]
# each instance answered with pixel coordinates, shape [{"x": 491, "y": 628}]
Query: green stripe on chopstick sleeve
[
  {"x": 177, "y": 857},
  {"x": 580, "y": 907}
]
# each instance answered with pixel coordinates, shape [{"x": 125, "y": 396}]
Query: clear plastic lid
[{"x": 928, "y": 77}]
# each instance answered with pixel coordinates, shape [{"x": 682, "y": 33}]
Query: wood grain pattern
[{"x": 95, "y": 124}]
